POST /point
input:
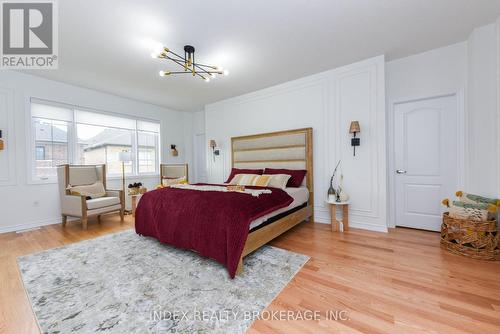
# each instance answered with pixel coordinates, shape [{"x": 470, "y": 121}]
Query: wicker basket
[{"x": 477, "y": 240}]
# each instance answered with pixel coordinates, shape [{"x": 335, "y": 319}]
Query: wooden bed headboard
[
  {"x": 291, "y": 149},
  {"x": 173, "y": 171}
]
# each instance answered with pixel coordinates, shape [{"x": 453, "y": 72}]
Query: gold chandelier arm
[
  {"x": 178, "y": 62},
  {"x": 189, "y": 64},
  {"x": 209, "y": 66}
]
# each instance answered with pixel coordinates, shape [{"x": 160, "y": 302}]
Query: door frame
[
  {"x": 391, "y": 154},
  {"x": 196, "y": 150}
]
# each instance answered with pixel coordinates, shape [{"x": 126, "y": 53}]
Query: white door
[
  {"x": 426, "y": 160},
  {"x": 200, "y": 159}
]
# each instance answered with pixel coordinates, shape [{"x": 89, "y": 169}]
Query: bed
[{"x": 204, "y": 221}]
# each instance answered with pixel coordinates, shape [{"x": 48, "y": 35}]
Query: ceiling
[{"x": 106, "y": 45}]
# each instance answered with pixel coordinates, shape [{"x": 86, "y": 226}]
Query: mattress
[{"x": 300, "y": 196}]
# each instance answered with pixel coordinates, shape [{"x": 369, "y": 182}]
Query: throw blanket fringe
[{"x": 253, "y": 192}]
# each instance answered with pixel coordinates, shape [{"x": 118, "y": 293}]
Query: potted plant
[
  {"x": 332, "y": 193},
  {"x": 134, "y": 188}
]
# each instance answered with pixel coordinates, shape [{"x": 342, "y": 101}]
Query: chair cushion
[
  {"x": 95, "y": 190},
  {"x": 102, "y": 202}
]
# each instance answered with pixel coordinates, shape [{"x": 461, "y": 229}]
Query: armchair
[
  {"x": 170, "y": 171},
  {"x": 80, "y": 206}
]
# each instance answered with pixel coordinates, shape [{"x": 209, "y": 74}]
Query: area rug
[{"x": 125, "y": 283}]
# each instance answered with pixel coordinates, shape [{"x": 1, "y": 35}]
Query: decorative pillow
[
  {"x": 278, "y": 180},
  {"x": 166, "y": 182},
  {"x": 243, "y": 179},
  {"x": 476, "y": 199},
  {"x": 95, "y": 190},
  {"x": 476, "y": 212},
  {"x": 296, "y": 175},
  {"x": 236, "y": 171},
  {"x": 262, "y": 181}
]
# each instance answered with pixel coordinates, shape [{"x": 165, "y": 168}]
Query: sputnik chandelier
[{"x": 188, "y": 63}]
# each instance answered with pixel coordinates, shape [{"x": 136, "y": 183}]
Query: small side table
[
  {"x": 135, "y": 200},
  {"x": 345, "y": 215}
]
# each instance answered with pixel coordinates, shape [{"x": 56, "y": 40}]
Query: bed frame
[{"x": 291, "y": 149}]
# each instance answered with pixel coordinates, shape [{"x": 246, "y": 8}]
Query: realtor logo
[{"x": 29, "y": 35}]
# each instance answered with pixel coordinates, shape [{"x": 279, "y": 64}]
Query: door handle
[{"x": 400, "y": 171}]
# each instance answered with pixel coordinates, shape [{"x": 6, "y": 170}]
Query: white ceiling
[{"x": 106, "y": 45}]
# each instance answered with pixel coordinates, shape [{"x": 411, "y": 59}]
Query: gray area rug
[{"x": 125, "y": 283}]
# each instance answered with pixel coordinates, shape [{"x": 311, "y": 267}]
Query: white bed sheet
[{"x": 300, "y": 196}]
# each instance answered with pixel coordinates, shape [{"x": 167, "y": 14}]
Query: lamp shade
[
  {"x": 354, "y": 127},
  {"x": 124, "y": 156},
  {"x": 212, "y": 143}
]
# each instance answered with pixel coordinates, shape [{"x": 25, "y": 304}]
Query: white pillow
[
  {"x": 94, "y": 190},
  {"x": 278, "y": 180}
]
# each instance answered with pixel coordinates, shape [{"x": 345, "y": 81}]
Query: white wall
[
  {"x": 483, "y": 168},
  {"x": 199, "y": 147},
  {"x": 437, "y": 72},
  {"x": 25, "y": 205},
  {"x": 327, "y": 102},
  {"x": 470, "y": 69}
]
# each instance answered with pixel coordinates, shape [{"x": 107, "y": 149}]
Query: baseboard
[
  {"x": 323, "y": 216},
  {"x": 30, "y": 225},
  {"x": 319, "y": 217},
  {"x": 368, "y": 226},
  {"x": 354, "y": 224},
  {"x": 322, "y": 220}
]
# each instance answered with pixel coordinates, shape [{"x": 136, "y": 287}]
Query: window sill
[
  {"x": 112, "y": 178},
  {"x": 42, "y": 182},
  {"x": 133, "y": 177}
]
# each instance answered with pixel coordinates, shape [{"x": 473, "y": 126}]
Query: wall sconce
[
  {"x": 1, "y": 141},
  {"x": 354, "y": 129},
  {"x": 173, "y": 150},
  {"x": 213, "y": 145}
]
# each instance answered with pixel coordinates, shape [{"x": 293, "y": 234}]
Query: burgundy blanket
[{"x": 215, "y": 224}]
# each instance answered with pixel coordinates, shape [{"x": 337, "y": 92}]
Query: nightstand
[
  {"x": 344, "y": 206},
  {"x": 134, "y": 199}
]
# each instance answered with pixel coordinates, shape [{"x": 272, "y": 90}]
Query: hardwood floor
[{"x": 400, "y": 282}]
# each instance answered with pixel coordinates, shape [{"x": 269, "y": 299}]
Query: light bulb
[
  {"x": 154, "y": 55},
  {"x": 162, "y": 73},
  {"x": 226, "y": 72},
  {"x": 157, "y": 48},
  {"x": 207, "y": 79}
]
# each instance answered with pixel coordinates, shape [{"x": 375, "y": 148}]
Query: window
[
  {"x": 70, "y": 135},
  {"x": 102, "y": 145},
  {"x": 40, "y": 153},
  {"x": 147, "y": 148}
]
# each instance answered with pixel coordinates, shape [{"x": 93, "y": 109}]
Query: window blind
[{"x": 92, "y": 118}]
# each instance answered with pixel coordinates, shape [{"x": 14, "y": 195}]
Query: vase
[
  {"x": 331, "y": 194},
  {"x": 343, "y": 196}
]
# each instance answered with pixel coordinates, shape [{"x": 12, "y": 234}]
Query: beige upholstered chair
[
  {"x": 173, "y": 171},
  {"x": 79, "y": 206}
]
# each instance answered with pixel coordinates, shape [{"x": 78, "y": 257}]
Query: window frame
[
  {"x": 158, "y": 150},
  {"x": 73, "y": 140},
  {"x": 37, "y": 151}
]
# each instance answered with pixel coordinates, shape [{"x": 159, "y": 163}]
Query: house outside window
[{"x": 65, "y": 134}]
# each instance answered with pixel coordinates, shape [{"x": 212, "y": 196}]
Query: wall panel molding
[
  {"x": 327, "y": 102},
  {"x": 8, "y": 155}
]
